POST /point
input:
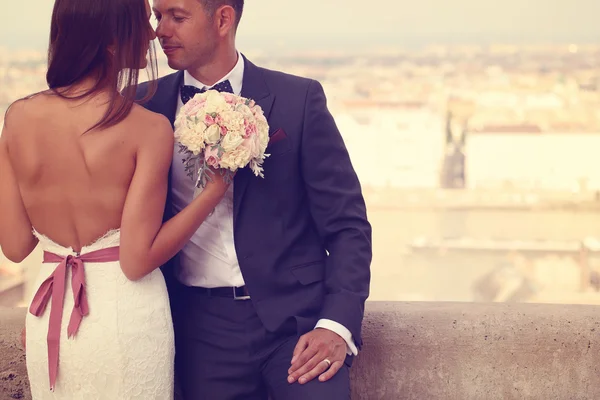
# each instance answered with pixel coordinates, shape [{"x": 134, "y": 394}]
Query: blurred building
[
  {"x": 393, "y": 144},
  {"x": 525, "y": 157}
]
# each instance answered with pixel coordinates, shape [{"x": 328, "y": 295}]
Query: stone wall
[
  {"x": 431, "y": 351},
  {"x": 13, "y": 374},
  {"x": 495, "y": 351}
]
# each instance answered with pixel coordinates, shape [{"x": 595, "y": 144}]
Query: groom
[{"x": 268, "y": 296}]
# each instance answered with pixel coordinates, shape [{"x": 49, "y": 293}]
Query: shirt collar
[{"x": 235, "y": 77}]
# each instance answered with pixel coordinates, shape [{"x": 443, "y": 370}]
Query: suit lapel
[
  {"x": 166, "y": 97},
  {"x": 253, "y": 87},
  {"x": 164, "y": 102}
]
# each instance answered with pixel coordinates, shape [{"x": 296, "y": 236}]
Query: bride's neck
[{"x": 89, "y": 87}]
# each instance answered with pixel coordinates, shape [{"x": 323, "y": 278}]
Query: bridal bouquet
[{"x": 222, "y": 131}]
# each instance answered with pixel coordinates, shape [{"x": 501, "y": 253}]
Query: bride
[{"x": 84, "y": 173}]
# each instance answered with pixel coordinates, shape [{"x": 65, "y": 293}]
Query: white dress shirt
[{"x": 209, "y": 259}]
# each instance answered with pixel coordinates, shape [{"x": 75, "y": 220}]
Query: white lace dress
[{"x": 124, "y": 349}]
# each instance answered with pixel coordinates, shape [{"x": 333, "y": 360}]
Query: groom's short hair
[{"x": 212, "y": 5}]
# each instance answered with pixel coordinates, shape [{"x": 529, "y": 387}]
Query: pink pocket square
[{"x": 277, "y": 136}]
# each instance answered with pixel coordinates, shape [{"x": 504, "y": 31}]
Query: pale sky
[{"x": 308, "y": 23}]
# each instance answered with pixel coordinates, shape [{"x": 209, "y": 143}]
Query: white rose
[
  {"x": 235, "y": 159},
  {"x": 212, "y": 134},
  {"x": 199, "y": 129},
  {"x": 233, "y": 121},
  {"x": 244, "y": 110},
  {"x": 182, "y": 134},
  {"x": 179, "y": 121},
  {"x": 215, "y": 103},
  {"x": 263, "y": 134},
  {"x": 231, "y": 141},
  {"x": 195, "y": 144},
  {"x": 188, "y": 138},
  {"x": 179, "y": 132}
]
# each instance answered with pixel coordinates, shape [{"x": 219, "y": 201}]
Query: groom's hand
[{"x": 311, "y": 353}]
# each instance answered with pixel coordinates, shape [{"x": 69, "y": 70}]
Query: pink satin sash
[{"x": 54, "y": 287}]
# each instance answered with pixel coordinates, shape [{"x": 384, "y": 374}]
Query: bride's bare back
[{"x": 74, "y": 184}]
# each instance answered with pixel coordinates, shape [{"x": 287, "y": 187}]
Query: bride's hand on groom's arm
[{"x": 311, "y": 353}]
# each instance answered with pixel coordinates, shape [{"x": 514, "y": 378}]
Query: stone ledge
[
  {"x": 13, "y": 373},
  {"x": 479, "y": 351},
  {"x": 440, "y": 351}
]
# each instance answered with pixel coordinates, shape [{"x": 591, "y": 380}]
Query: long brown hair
[{"x": 102, "y": 39}]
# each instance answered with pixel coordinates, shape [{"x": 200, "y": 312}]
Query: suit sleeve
[{"x": 339, "y": 212}]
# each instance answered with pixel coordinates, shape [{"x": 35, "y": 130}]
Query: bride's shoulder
[
  {"x": 150, "y": 124},
  {"x": 149, "y": 119},
  {"x": 24, "y": 111},
  {"x": 32, "y": 104}
]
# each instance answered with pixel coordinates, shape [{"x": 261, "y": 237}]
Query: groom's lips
[{"x": 170, "y": 49}]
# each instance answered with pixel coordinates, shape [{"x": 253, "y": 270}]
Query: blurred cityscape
[{"x": 478, "y": 164}]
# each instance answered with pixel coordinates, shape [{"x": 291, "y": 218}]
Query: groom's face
[{"x": 186, "y": 33}]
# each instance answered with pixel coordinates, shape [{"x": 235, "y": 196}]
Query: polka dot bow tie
[{"x": 188, "y": 92}]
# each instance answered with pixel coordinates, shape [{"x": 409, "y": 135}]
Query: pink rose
[
  {"x": 208, "y": 120},
  {"x": 250, "y": 128},
  {"x": 223, "y": 131},
  {"x": 229, "y": 98},
  {"x": 211, "y": 156},
  {"x": 193, "y": 106},
  {"x": 193, "y": 102},
  {"x": 252, "y": 145},
  {"x": 193, "y": 110}
]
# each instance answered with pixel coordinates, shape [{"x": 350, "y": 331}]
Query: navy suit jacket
[{"x": 301, "y": 234}]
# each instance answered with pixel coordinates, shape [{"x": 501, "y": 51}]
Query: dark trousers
[{"x": 223, "y": 352}]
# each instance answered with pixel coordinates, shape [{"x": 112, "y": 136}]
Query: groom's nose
[{"x": 161, "y": 30}]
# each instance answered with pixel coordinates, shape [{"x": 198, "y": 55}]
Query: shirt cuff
[{"x": 342, "y": 331}]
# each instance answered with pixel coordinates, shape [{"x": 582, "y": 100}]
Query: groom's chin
[{"x": 173, "y": 64}]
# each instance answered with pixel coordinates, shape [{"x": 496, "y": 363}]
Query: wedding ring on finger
[{"x": 328, "y": 363}]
